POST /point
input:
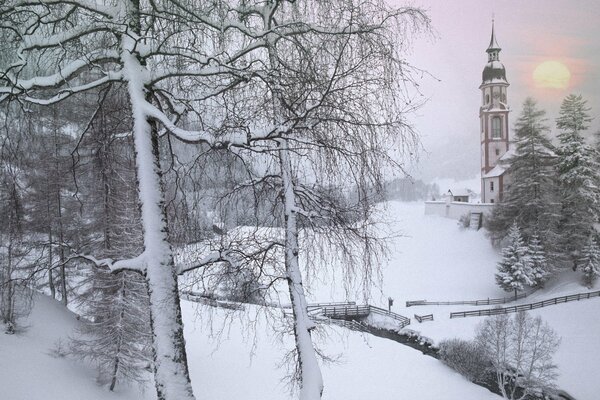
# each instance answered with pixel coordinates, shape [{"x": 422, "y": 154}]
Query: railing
[
  {"x": 486, "y": 302},
  {"x": 525, "y": 307},
  {"x": 345, "y": 311},
  {"x": 332, "y": 304},
  {"x": 353, "y": 311},
  {"x": 349, "y": 324},
  {"x": 209, "y": 301},
  {"x": 421, "y": 318}
]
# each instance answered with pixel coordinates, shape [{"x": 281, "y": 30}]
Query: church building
[{"x": 493, "y": 117}]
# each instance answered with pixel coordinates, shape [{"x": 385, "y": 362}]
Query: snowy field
[
  {"x": 236, "y": 360},
  {"x": 240, "y": 354}
]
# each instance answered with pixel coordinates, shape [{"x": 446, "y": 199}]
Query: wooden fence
[
  {"x": 332, "y": 304},
  {"x": 354, "y": 311},
  {"x": 525, "y": 307},
  {"x": 349, "y": 324},
  {"x": 209, "y": 301},
  {"x": 421, "y": 318},
  {"x": 486, "y": 302}
]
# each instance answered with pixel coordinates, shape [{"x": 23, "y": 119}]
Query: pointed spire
[{"x": 493, "y": 43}]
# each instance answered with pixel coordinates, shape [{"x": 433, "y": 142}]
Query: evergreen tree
[
  {"x": 590, "y": 262},
  {"x": 514, "y": 271},
  {"x": 531, "y": 198},
  {"x": 540, "y": 268},
  {"x": 116, "y": 334},
  {"x": 578, "y": 177}
]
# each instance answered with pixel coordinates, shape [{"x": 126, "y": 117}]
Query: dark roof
[{"x": 494, "y": 71}]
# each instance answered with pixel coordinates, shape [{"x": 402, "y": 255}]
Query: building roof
[
  {"x": 460, "y": 192},
  {"x": 501, "y": 165}
]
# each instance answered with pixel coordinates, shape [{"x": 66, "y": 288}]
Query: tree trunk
[
  {"x": 311, "y": 381},
  {"x": 50, "y": 267},
  {"x": 61, "y": 236},
  {"x": 171, "y": 374}
]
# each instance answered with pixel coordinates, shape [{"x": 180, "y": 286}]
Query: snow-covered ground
[
  {"x": 231, "y": 356},
  {"x": 437, "y": 261},
  {"x": 433, "y": 260}
]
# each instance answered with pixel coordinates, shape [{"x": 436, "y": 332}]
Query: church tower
[{"x": 493, "y": 116}]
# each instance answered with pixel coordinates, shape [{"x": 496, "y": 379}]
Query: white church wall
[
  {"x": 490, "y": 194},
  {"x": 455, "y": 210}
]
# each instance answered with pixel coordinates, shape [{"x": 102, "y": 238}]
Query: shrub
[{"x": 466, "y": 357}]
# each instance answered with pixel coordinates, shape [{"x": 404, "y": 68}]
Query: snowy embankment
[
  {"x": 437, "y": 261},
  {"x": 31, "y": 369},
  {"x": 232, "y": 355},
  {"x": 434, "y": 260}
]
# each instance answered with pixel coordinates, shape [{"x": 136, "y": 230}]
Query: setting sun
[{"x": 551, "y": 74}]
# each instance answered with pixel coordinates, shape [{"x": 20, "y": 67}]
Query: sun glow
[{"x": 552, "y": 74}]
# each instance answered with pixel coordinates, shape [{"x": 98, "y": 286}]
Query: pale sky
[{"x": 529, "y": 33}]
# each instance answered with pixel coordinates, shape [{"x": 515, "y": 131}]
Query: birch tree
[
  {"x": 520, "y": 350},
  {"x": 335, "y": 92},
  {"x": 160, "y": 49}
]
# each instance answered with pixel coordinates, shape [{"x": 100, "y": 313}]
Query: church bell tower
[{"x": 493, "y": 116}]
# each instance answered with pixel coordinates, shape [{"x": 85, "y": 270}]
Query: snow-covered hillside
[
  {"x": 437, "y": 261},
  {"x": 230, "y": 358},
  {"x": 239, "y": 354}
]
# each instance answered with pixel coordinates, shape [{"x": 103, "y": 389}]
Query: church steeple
[
  {"x": 493, "y": 49},
  {"x": 494, "y": 70},
  {"x": 493, "y": 115}
]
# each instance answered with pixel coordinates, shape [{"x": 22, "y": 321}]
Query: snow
[
  {"x": 231, "y": 356},
  {"x": 29, "y": 370},
  {"x": 495, "y": 172},
  {"x": 433, "y": 260},
  {"x": 367, "y": 368}
]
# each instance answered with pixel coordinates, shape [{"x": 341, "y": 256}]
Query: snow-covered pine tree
[
  {"x": 531, "y": 198},
  {"x": 577, "y": 176},
  {"x": 117, "y": 337},
  {"x": 116, "y": 334},
  {"x": 540, "y": 268},
  {"x": 514, "y": 271},
  {"x": 590, "y": 262}
]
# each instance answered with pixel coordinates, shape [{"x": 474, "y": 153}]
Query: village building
[{"x": 493, "y": 119}]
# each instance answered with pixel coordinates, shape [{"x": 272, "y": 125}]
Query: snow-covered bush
[
  {"x": 464, "y": 221},
  {"x": 466, "y": 357}
]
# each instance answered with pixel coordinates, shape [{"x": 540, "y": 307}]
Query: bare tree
[
  {"x": 338, "y": 97},
  {"x": 520, "y": 350},
  {"x": 160, "y": 49},
  {"x": 15, "y": 255}
]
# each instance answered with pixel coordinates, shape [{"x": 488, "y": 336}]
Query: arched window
[
  {"x": 496, "y": 128},
  {"x": 487, "y": 99}
]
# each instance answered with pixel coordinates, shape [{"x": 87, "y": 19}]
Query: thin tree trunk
[
  {"x": 311, "y": 384},
  {"x": 50, "y": 267},
  {"x": 117, "y": 359},
  {"x": 61, "y": 237}
]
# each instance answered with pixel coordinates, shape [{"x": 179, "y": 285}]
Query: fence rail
[
  {"x": 421, "y": 318},
  {"x": 209, "y": 301},
  {"x": 354, "y": 311},
  {"x": 350, "y": 324},
  {"x": 525, "y": 307},
  {"x": 331, "y": 304},
  {"x": 486, "y": 302}
]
